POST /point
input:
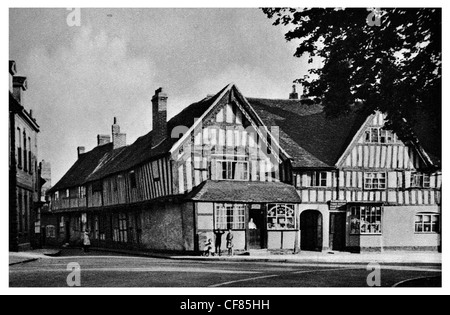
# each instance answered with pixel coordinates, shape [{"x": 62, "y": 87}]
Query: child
[
  {"x": 230, "y": 242},
  {"x": 208, "y": 248}
]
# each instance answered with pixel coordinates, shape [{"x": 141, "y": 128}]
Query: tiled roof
[
  {"x": 312, "y": 139},
  {"x": 103, "y": 161},
  {"x": 306, "y": 134},
  {"x": 236, "y": 191},
  {"x": 315, "y": 140}
]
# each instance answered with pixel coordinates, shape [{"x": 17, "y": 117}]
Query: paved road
[{"x": 100, "y": 270}]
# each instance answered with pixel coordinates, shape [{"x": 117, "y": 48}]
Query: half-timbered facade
[
  {"x": 278, "y": 173},
  {"x": 362, "y": 188}
]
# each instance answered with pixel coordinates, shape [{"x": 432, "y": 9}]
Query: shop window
[
  {"x": 281, "y": 217},
  {"x": 427, "y": 223},
  {"x": 365, "y": 220},
  {"x": 230, "y": 216},
  {"x": 375, "y": 180}
]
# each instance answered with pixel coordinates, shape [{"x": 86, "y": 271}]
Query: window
[
  {"x": 316, "y": 179},
  {"x": 133, "y": 182},
  {"x": 97, "y": 186},
  {"x": 419, "y": 180},
  {"x": 56, "y": 195},
  {"x": 19, "y": 148},
  {"x": 20, "y": 210},
  {"x": 427, "y": 223},
  {"x": 25, "y": 155},
  {"x": 365, "y": 220},
  {"x": 281, "y": 217},
  {"x": 30, "y": 165},
  {"x": 375, "y": 180},
  {"x": 50, "y": 231},
  {"x": 379, "y": 135},
  {"x": 77, "y": 224},
  {"x": 232, "y": 170},
  {"x": 67, "y": 193},
  {"x": 230, "y": 216},
  {"x": 120, "y": 227},
  {"x": 81, "y": 192}
]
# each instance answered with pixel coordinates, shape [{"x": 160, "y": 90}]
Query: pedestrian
[
  {"x": 230, "y": 244},
  {"x": 218, "y": 233},
  {"x": 208, "y": 248},
  {"x": 86, "y": 241}
]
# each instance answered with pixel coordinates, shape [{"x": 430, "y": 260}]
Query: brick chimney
[
  {"x": 19, "y": 86},
  {"x": 80, "y": 151},
  {"x": 103, "y": 139},
  {"x": 159, "y": 102},
  {"x": 119, "y": 139},
  {"x": 294, "y": 94}
]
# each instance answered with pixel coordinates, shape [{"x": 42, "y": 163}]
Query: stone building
[{"x": 24, "y": 174}]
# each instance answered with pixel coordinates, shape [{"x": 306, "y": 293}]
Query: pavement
[
  {"x": 302, "y": 257},
  {"x": 32, "y": 255}
]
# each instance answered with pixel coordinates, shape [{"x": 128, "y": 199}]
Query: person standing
[
  {"x": 86, "y": 241},
  {"x": 230, "y": 244},
  {"x": 218, "y": 233}
]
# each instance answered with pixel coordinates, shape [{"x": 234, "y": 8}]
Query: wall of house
[
  {"x": 399, "y": 229},
  {"x": 227, "y": 134},
  {"x": 168, "y": 227}
]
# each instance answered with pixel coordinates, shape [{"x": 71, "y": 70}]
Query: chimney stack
[
  {"x": 294, "y": 94},
  {"x": 119, "y": 139},
  {"x": 19, "y": 86},
  {"x": 159, "y": 102},
  {"x": 103, "y": 139},
  {"x": 81, "y": 151},
  {"x": 12, "y": 73}
]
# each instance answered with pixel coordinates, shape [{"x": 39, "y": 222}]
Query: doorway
[
  {"x": 337, "y": 231},
  {"x": 311, "y": 230},
  {"x": 257, "y": 229}
]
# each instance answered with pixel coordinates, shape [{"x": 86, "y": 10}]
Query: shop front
[{"x": 258, "y": 220}]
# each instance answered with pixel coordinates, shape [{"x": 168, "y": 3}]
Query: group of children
[{"x": 218, "y": 234}]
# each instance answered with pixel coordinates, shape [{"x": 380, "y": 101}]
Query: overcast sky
[{"x": 79, "y": 78}]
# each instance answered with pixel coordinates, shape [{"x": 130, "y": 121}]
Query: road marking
[
  {"x": 149, "y": 269},
  {"x": 322, "y": 270},
  {"x": 242, "y": 280},
  {"x": 409, "y": 280}
]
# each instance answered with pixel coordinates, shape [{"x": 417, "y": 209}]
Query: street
[{"x": 111, "y": 270}]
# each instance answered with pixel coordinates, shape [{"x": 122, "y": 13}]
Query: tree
[{"x": 387, "y": 59}]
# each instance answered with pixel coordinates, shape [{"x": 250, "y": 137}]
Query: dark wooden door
[
  {"x": 311, "y": 230},
  {"x": 337, "y": 231},
  {"x": 256, "y": 229}
]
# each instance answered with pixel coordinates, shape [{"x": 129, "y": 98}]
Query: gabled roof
[
  {"x": 317, "y": 141},
  {"x": 237, "y": 191},
  {"x": 312, "y": 139}
]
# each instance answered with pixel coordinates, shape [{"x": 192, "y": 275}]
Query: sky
[{"x": 80, "y": 77}]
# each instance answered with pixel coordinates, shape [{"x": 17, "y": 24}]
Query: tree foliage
[{"x": 394, "y": 67}]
